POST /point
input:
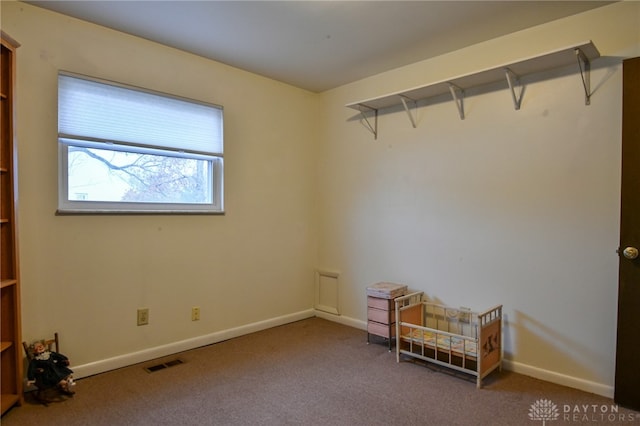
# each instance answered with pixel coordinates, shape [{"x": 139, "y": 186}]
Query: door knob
[{"x": 630, "y": 253}]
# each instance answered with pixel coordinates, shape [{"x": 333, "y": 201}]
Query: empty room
[{"x": 200, "y": 199}]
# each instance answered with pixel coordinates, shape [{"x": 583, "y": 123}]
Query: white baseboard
[
  {"x": 126, "y": 360},
  {"x": 516, "y": 367},
  {"x": 559, "y": 378},
  {"x": 341, "y": 319}
]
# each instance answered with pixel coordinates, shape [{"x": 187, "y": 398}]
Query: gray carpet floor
[{"x": 312, "y": 372}]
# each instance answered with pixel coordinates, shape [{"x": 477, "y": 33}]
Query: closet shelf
[{"x": 580, "y": 54}]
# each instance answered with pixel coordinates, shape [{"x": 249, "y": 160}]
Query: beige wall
[
  {"x": 85, "y": 276},
  {"x": 513, "y": 207}
]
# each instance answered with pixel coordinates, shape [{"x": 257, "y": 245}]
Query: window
[{"x": 123, "y": 149}]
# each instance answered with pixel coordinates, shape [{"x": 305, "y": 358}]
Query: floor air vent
[{"x": 162, "y": 366}]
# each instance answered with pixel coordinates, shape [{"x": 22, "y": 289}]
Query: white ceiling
[{"x": 318, "y": 45}]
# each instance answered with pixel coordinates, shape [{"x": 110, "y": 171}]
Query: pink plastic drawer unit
[{"x": 381, "y": 310}]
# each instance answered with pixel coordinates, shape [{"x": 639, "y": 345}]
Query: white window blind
[{"x": 99, "y": 111}]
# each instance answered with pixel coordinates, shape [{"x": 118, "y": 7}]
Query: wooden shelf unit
[{"x": 10, "y": 336}]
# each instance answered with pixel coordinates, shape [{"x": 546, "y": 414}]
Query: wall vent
[{"x": 326, "y": 297}]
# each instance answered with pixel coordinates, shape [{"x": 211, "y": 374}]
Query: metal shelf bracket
[
  {"x": 585, "y": 72},
  {"x": 458, "y": 97},
  {"x": 412, "y": 118},
  {"x": 515, "y": 72},
  {"x": 514, "y": 83},
  {"x": 372, "y": 128}
]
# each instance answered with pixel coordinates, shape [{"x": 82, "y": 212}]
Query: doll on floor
[{"x": 50, "y": 369}]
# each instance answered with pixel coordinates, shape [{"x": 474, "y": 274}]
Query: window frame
[{"x": 215, "y": 178}]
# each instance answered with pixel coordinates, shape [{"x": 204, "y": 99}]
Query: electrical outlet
[
  {"x": 143, "y": 316},
  {"x": 195, "y": 313}
]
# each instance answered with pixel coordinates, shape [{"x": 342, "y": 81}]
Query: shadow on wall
[{"x": 553, "y": 351}]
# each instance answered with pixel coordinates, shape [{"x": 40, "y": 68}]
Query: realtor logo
[{"x": 545, "y": 410}]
